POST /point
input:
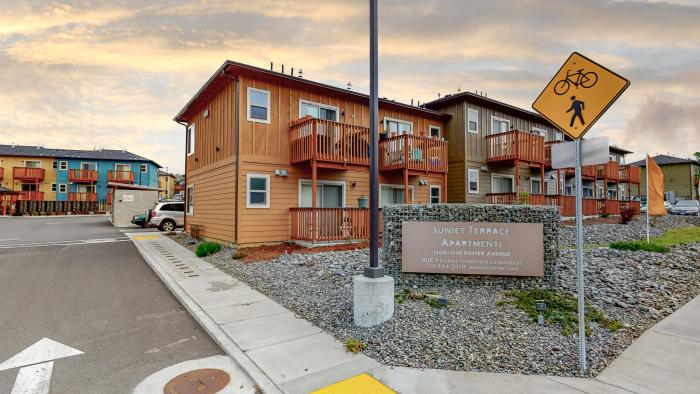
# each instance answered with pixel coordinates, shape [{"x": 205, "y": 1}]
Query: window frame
[
  {"x": 31, "y": 161},
  {"x": 470, "y": 171},
  {"x": 88, "y": 162},
  {"x": 434, "y": 127},
  {"x": 512, "y": 179},
  {"x": 268, "y": 192},
  {"x": 248, "y": 105},
  {"x": 439, "y": 196},
  {"x": 320, "y": 105},
  {"x": 538, "y": 179},
  {"x": 191, "y": 138},
  {"x": 342, "y": 184},
  {"x": 62, "y": 188},
  {"x": 539, "y": 131},
  {"x": 388, "y": 119},
  {"x": 189, "y": 193},
  {"x": 475, "y": 111},
  {"x": 498, "y": 118},
  {"x": 54, "y": 187},
  {"x": 122, "y": 164},
  {"x": 142, "y": 166},
  {"x": 411, "y": 188}
]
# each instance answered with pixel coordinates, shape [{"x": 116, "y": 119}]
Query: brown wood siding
[
  {"x": 214, "y": 135},
  {"x": 214, "y": 200},
  {"x": 273, "y": 224},
  {"x": 456, "y": 181}
]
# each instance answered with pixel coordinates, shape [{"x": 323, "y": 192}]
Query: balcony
[
  {"x": 515, "y": 145},
  {"x": 630, "y": 174},
  {"x": 587, "y": 172},
  {"x": 609, "y": 171},
  {"x": 514, "y": 199},
  {"x": 120, "y": 176},
  {"x": 82, "y": 176},
  {"x": 82, "y": 196},
  {"x": 330, "y": 224},
  {"x": 31, "y": 196},
  {"x": 413, "y": 153},
  {"x": 28, "y": 174},
  {"x": 548, "y": 152},
  {"x": 330, "y": 143},
  {"x": 2, "y": 173}
]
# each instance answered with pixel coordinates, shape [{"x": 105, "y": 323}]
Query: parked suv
[{"x": 166, "y": 215}]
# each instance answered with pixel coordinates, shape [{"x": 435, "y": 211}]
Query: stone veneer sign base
[{"x": 396, "y": 215}]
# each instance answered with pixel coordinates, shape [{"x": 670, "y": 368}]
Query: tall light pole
[{"x": 374, "y": 270}]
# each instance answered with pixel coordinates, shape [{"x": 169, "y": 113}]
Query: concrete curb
[{"x": 207, "y": 323}]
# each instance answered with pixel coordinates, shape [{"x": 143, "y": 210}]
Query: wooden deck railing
[
  {"x": 414, "y": 153},
  {"x": 120, "y": 176},
  {"x": 82, "y": 175},
  {"x": 548, "y": 152},
  {"x": 631, "y": 174},
  {"x": 82, "y": 196},
  {"x": 514, "y": 145},
  {"x": 566, "y": 204},
  {"x": 28, "y": 173},
  {"x": 630, "y": 205},
  {"x": 325, "y": 140},
  {"x": 2, "y": 172},
  {"x": 31, "y": 196},
  {"x": 513, "y": 199},
  {"x": 330, "y": 224},
  {"x": 609, "y": 171}
]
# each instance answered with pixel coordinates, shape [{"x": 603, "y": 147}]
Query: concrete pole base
[{"x": 373, "y": 300}]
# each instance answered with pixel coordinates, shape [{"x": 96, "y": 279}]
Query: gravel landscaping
[{"x": 477, "y": 331}]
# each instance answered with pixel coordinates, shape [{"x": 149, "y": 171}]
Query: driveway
[{"x": 78, "y": 281}]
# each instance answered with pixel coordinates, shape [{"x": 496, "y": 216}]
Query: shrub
[
  {"x": 639, "y": 245},
  {"x": 206, "y": 248},
  {"x": 626, "y": 215},
  {"x": 604, "y": 215},
  {"x": 353, "y": 345}
]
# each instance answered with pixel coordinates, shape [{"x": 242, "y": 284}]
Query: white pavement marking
[
  {"x": 34, "y": 379},
  {"x": 36, "y": 365},
  {"x": 64, "y": 243},
  {"x": 9, "y": 239}
]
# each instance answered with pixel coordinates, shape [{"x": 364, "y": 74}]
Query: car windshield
[{"x": 687, "y": 204}]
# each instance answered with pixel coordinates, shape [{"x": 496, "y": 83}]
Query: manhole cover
[{"x": 199, "y": 381}]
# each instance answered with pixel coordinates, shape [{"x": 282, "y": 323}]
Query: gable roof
[
  {"x": 99, "y": 154},
  {"x": 487, "y": 102},
  {"x": 665, "y": 159},
  {"x": 230, "y": 69}
]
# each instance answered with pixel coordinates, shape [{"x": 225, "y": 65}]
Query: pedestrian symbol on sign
[{"x": 577, "y": 106}]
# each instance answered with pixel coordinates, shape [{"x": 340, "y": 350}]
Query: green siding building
[{"x": 680, "y": 176}]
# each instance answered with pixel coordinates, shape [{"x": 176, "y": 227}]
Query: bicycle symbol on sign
[{"x": 579, "y": 78}]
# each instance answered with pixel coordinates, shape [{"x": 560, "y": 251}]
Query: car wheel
[{"x": 167, "y": 225}]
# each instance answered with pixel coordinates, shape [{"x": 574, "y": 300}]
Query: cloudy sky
[{"x": 112, "y": 74}]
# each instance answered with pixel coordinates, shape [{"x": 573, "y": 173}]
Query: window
[
  {"x": 435, "y": 195},
  {"x": 539, "y": 131},
  {"x": 54, "y": 164},
  {"x": 88, "y": 166},
  {"x": 612, "y": 193},
  {"x": 473, "y": 181},
  {"x": 536, "y": 185},
  {"x": 258, "y": 105},
  {"x": 397, "y": 126},
  {"x": 499, "y": 125},
  {"x": 191, "y": 137},
  {"x": 122, "y": 167},
  {"x": 393, "y": 194},
  {"x": 587, "y": 192},
  {"x": 569, "y": 190},
  {"x": 62, "y": 188},
  {"x": 472, "y": 120},
  {"x": 434, "y": 131},
  {"x": 501, "y": 183},
  {"x": 328, "y": 194},
  {"x": 558, "y": 136},
  {"x": 189, "y": 199},
  {"x": 258, "y": 191},
  {"x": 62, "y": 165},
  {"x": 318, "y": 111},
  {"x": 53, "y": 187},
  {"x": 28, "y": 187},
  {"x": 144, "y": 168},
  {"x": 32, "y": 163},
  {"x": 177, "y": 207}
]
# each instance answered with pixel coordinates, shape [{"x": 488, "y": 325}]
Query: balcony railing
[
  {"x": 28, "y": 173},
  {"x": 82, "y": 176},
  {"x": 413, "y": 153},
  {"x": 548, "y": 152},
  {"x": 120, "y": 176},
  {"x": 609, "y": 171},
  {"x": 514, "y": 199},
  {"x": 31, "y": 196},
  {"x": 630, "y": 174},
  {"x": 328, "y": 141},
  {"x": 2, "y": 173},
  {"x": 330, "y": 224},
  {"x": 82, "y": 196},
  {"x": 515, "y": 145}
]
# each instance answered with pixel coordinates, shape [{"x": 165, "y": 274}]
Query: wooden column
[
  {"x": 444, "y": 186},
  {"x": 405, "y": 168},
  {"x": 542, "y": 179},
  {"x": 517, "y": 163},
  {"x": 314, "y": 224}
]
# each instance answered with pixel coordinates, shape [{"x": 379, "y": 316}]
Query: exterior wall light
[
  {"x": 484, "y": 168},
  {"x": 281, "y": 173},
  {"x": 422, "y": 182}
]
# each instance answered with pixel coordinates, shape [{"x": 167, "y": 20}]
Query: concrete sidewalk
[{"x": 284, "y": 353}]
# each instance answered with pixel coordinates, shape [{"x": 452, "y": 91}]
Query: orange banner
[{"x": 655, "y": 189}]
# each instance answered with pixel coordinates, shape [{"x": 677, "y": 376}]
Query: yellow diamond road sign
[{"x": 580, "y": 92}]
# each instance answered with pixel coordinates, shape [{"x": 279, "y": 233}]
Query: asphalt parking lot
[{"x": 80, "y": 282}]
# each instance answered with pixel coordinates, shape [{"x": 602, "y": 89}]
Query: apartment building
[
  {"x": 501, "y": 154},
  {"x": 166, "y": 184},
  {"x": 45, "y": 174},
  {"x": 273, "y": 157},
  {"x": 680, "y": 176}
]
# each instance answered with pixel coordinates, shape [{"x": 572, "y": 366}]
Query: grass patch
[
  {"x": 562, "y": 310},
  {"x": 429, "y": 298},
  {"x": 355, "y": 346},
  {"x": 640, "y": 245},
  {"x": 206, "y": 248},
  {"x": 678, "y": 236}
]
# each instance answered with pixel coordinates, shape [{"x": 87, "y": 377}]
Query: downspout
[
  {"x": 235, "y": 120},
  {"x": 184, "y": 223}
]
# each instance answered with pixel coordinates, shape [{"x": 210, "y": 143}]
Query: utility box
[{"x": 129, "y": 202}]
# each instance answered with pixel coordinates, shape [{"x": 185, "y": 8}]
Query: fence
[{"x": 59, "y": 207}]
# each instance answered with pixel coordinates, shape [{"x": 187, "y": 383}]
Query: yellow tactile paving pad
[
  {"x": 360, "y": 384},
  {"x": 143, "y": 237}
]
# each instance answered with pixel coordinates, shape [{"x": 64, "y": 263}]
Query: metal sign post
[{"x": 579, "y": 260}]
